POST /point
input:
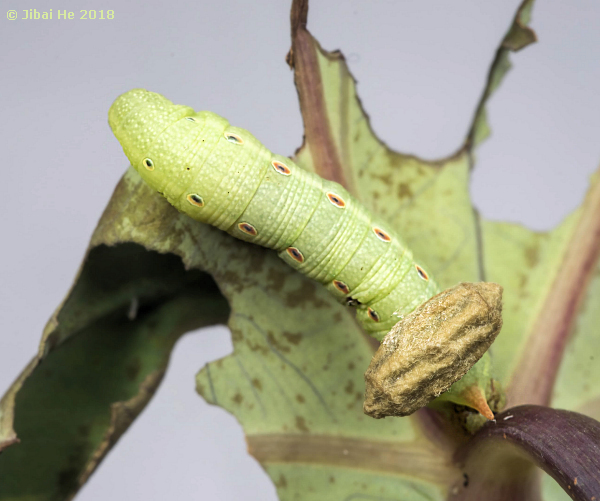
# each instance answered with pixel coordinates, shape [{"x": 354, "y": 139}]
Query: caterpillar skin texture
[{"x": 222, "y": 175}]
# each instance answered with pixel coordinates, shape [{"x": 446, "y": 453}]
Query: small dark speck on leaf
[{"x": 301, "y": 423}]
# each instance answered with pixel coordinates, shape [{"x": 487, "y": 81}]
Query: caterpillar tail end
[
  {"x": 474, "y": 397},
  {"x": 432, "y": 348}
]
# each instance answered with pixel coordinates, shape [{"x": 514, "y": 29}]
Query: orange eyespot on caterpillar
[
  {"x": 149, "y": 164},
  {"x": 373, "y": 315},
  {"x": 195, "y": 200},
  {"x": 281, "y": 168},
  {"x": 341, "y": 286},
  {"x": 422, "y": 273},
  {"x": 233, "y": 138},
  {"x": 336, "y": 200},
  {"x": 295, "y": 254},
  {"x": 248, "y": 229},
  {"x": 382, "y": 235}
]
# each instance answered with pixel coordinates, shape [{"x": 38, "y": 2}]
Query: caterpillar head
[{"x": 137, "y": 118}]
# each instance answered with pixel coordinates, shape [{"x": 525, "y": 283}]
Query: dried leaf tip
[{"x": 432, "y": 348}]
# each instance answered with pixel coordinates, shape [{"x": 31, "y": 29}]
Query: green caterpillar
[{"x": 222, "y": 175}]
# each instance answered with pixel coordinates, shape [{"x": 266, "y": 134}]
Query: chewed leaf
[
  {"x": 105, "y": 352},
  {"x": 518, "y": 37},
  {"x": 295, "y": 380}
]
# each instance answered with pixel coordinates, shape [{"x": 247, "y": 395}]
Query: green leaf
[
  {"x": 295, "y": 378},
  {"x": 102, "y": 356}
]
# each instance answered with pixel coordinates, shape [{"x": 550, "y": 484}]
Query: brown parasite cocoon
[{"x": 432, "y": 348}]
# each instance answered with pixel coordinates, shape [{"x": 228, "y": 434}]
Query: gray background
[{"x": 420, "y": 67}]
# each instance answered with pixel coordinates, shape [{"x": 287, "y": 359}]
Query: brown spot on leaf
[
  {"x": 258, "y": 347},
  {"x": 532, "y": 255},
  {"x": 305, "y": 294},
  {"x": 236, "y": 335},
  {"x": 238, "y": 398},
  {"x": 301, "y": 424},
  {"x": 256, "y": 259},
  {"x": 351, "y": 366},
  {"x": 523, "y": 278},
  {"x": 384, "y": 178},
  {"x": 232, "y": 279},
  {"x": 275, "y": 280},
  {"x": 404, "y": 191},
  {"x": 257, "y": 384},
  {"x": 293, "y": 338},
  {"x": 300, "y": 398},
  {"x": 281, "y": 483},
  {"x": 273, "y": 341},
  {"x": 349, "y": 388}
]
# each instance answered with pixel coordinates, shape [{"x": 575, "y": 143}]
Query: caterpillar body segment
[{"x": 222, "y": 175}]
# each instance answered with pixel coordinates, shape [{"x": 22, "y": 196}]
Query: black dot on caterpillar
[
  {"x": 341, "y": 286},
  {"x": 281, "y": 168},
  {"x": 248, "y": 228},
  {"x": 195, "y": 199},
  {"x": 350, "y": 301},
  {"x": 149, "y": 164},
  {"x": 373, "y": 314},
  {"x": 233, "y": 138},
  {"x": 336, "y": 200},
  {"x": 295, "y": 254},
  {"x": 382, "y": 235},
  {"x": 422, "y": 273}
]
